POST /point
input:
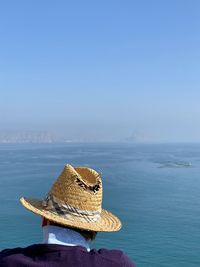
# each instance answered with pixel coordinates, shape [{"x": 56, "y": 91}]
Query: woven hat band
[{"x": 53, "y": 204}]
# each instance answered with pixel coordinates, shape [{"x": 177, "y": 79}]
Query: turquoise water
[{"x": 154, "y": 189}]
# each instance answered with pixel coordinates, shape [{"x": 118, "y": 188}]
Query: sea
[{"x": 153, "y": 188}]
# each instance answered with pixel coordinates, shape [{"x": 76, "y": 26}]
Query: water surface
[{"x": 154, "y": 189}]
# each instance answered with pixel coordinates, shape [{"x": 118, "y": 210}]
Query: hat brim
[{"x": 108, "y": 222}]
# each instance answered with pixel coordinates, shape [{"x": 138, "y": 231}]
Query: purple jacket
[{"x": 51, "y": 255}]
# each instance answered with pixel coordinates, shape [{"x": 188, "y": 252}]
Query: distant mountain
[
  {"x": 136, "y": 138},
  {"x": 26, "y": 137}
]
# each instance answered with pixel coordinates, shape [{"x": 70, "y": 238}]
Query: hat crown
[{"x": 80, "y": 187}]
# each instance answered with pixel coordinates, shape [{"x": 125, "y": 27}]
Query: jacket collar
[{"x": 63, "y": 236}]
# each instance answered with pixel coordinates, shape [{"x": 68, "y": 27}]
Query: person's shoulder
[
  {"x": 6, "y": 256},
  {"x": 18, "y": 250},
  {"x": 11, "y": 257},
  {"x": 9, "y": 251},
  {"x": 117, "y": 256}
]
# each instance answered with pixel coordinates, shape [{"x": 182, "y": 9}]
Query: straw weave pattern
[
  {"x": 79, "y": 187},
  {"x": 75, "y": 200}
]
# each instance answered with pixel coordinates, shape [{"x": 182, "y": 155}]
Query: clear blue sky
[{"x": 101, "y": 70}]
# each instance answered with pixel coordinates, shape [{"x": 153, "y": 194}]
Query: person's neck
[{"x": 63, "y": 236}]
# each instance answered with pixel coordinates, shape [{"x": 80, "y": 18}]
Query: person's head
[{"x": 75, "y": 200}]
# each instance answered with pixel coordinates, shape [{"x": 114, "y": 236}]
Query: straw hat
[{"x": 75, "y": 200}]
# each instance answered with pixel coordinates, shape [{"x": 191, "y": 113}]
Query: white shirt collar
[{"x": 63, "y": 236}]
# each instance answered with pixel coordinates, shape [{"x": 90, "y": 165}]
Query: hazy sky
[{"x": 102, "y": 70}]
